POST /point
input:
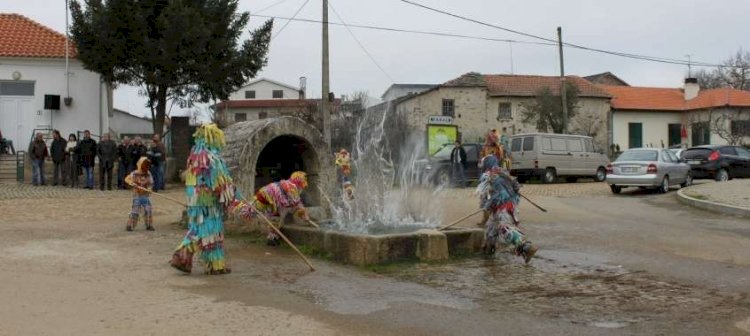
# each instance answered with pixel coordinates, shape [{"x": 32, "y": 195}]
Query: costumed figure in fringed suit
[
  {"x": 499, "y": 196},
  {"x": 142, "y": 179},
  {"x": 343, "y": 162},
  {"x": 209, "y": 190},
  {"x": 281, "y": 198}
]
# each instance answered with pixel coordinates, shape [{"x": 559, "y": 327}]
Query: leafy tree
[
  {"x": 546, "y": 110},
  {"x": 186, "y": 51},
  {"x": 734, "y": 73}
]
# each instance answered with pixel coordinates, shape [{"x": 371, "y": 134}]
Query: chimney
[
  {"x": 691, "y": 88},
  {"x": 302, "y": 87}
]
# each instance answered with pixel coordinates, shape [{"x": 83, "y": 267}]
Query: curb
[{"x": 712, "y": 206}]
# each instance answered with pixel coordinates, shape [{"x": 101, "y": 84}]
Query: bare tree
[
  {"x": 734, "y": 72},
  {"x": 546, "y": 111},
  {"x": 587, "y": 123},
  {"x": 346, "y": 118},
  {"x": 732, "y": 126}
]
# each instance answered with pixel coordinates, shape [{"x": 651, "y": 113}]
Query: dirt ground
[{"x": 632, "y": 264}]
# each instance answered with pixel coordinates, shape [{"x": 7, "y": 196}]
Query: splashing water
[{"x": 389, "y": 198}]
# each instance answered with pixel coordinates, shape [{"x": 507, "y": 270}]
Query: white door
[{"x": 16, "y": 114}]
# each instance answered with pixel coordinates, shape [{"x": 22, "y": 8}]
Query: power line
[
  {"x": 330, "y": 4},
  {"x": 270, "y": 6},
  {"x": 398, "y": 30},
  {"x": 621, "y": 54},
  {"x": 290, "y": 20}
]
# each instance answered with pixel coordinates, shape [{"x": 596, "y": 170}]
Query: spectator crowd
[{"x": 74, "y": 160}]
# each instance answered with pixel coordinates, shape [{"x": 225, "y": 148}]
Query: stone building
[
  {"x": 606, "y": 78},
  {"x": 478, "y": 103}
]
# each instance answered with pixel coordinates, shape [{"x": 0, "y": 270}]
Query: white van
[{"x": 549, "y": 156}]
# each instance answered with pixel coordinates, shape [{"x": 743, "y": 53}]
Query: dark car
[
  {"x": 719, "y": 162},
  {"x": 437, "y": 169}
]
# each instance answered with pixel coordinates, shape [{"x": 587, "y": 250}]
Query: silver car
[{"x": 648, "y": 168}]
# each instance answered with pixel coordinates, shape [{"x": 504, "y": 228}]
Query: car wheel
[
  {"x": 571, "y": 179},
  {"x": 601, "y": 175},
  {"x": 688, "y": 181},
  {"x": 664, "y": 188},
  {"x": 615, "y": 189},
  {"x": 443, "y": 178},
  {"x": 550, "y": 176},
  {"x": 722, "y": 175}
]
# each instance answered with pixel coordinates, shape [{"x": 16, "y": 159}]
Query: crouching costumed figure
[
  {"x": 499, "y": 197},
  {"x": 279, "y": 199}
]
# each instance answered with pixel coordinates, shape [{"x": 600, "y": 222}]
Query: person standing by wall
[
  {"x": 156, "y": 154},
  {"x": 87, "y": 157},
  {"x": 73, "y": 167},
  {"x": 107, "y": 153},
  {"x": 458, "y": 164},
  {"x": 57, "y": 151},
  {"x": 6, "y": 145},
  {"x": 38, "y": 153},
  {"x": 123, "y": 155},
  {"x": 136, "y": 151}
]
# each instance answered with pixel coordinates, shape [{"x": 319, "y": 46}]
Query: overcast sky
[{"x": 709, "y": 30}]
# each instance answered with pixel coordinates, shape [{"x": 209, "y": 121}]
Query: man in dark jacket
[
  {"x": 57, "y": 151},
  {"x": 137, "y": 149},
  {"x": 156, "y": 153},
  {"x": 458, "y": 164},
  {"x": 123, "y": 155},
  {"x": 86, "y": 152},
  {"x": 38, "y": 153},
  {"x": 107, "y": 153}
]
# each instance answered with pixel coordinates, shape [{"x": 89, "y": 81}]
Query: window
[
  {"x": 546, "y": 144},
  {"x": 665, "y": 156},
  {"x": 574, "y": 145},
  {"x": 250, "y": 94},
  {"x": 589, "y": 145},
  {"x": 515, "y": 145},
  {"x": 701, "y": 133},
  {"x": 727, "y": 151},
  {"x": 635, "y": 135},
  {"x": 675, "y": 134},
  {"x": 673, "y": 156},
  {"x": 263, "y": 115},
  {"x": 528, "y": 143},
  {"x": 740, "y": 127},
  {"x": 449, "y": 107},
  {"x": 638, "y": 155},
  {"x": 278, "y": 94},
  {"x": 471, "y": 153},
  {"x": 240, "y": 117},
  {"x": 558, "y": 144},
  {"x": 503, "y": 112},
  {"x": 16, "y": 88},
  {"x": 743, "y": 153}
]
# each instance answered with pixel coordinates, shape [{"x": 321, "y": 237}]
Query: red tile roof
[
  {"x": 270, "y": 103},
  {"x": 23, "y": 37},
  {"x": 671, "y": 99},
  {"x": 524, "y": 85}
]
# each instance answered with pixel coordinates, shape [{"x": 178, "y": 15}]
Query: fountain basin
[{"x": 366, "y": 249}]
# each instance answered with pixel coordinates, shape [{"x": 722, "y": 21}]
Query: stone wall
[{"x": 246, "y": 140}]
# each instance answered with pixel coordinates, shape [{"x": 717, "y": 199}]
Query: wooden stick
[
  {"x": 532, "y": 203},
  {"x": 309, "y": 221},
  {"x": 278, "y": 232},
  {"x": 160, "y": 195},
  {"x": 460, "y": 219}
]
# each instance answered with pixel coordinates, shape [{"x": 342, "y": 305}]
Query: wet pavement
[{"x": 632, "y": 264}]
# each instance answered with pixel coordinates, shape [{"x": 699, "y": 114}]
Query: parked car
[
  {"x": 437, "y": 168},
  {"x": 549, "y": 156},
  {"x": 648, "y": 168},
  {"x": 718, "y": 162}
]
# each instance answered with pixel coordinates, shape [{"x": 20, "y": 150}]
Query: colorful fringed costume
[
  {"x": 280, "y": 198},
  {"x": 500, "y": 198},
  {"x": 345, "y": 169},
  {"x": 141, "y": 177},
  {"x": 209, "y": 189}
]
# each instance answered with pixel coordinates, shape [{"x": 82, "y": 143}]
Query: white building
[
  {"x": 400, "y": 90},
  {"x": 265, "y": 98},
  {"x": 32, "y": 67}
]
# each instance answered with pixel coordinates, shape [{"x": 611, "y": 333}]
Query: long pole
[
  {"x": 67, "y": 54},
  {"x": 460, "y": 220},
  {"x": 563, "y": 92},
  {"x": 324, "y": 102}
]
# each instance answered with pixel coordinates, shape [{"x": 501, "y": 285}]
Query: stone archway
[{"x": 262, "y": 151}]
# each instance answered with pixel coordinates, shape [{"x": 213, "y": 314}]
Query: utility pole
[
  {"x": 325, "y": 104},
  {"x": 563, "y": 92}
]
